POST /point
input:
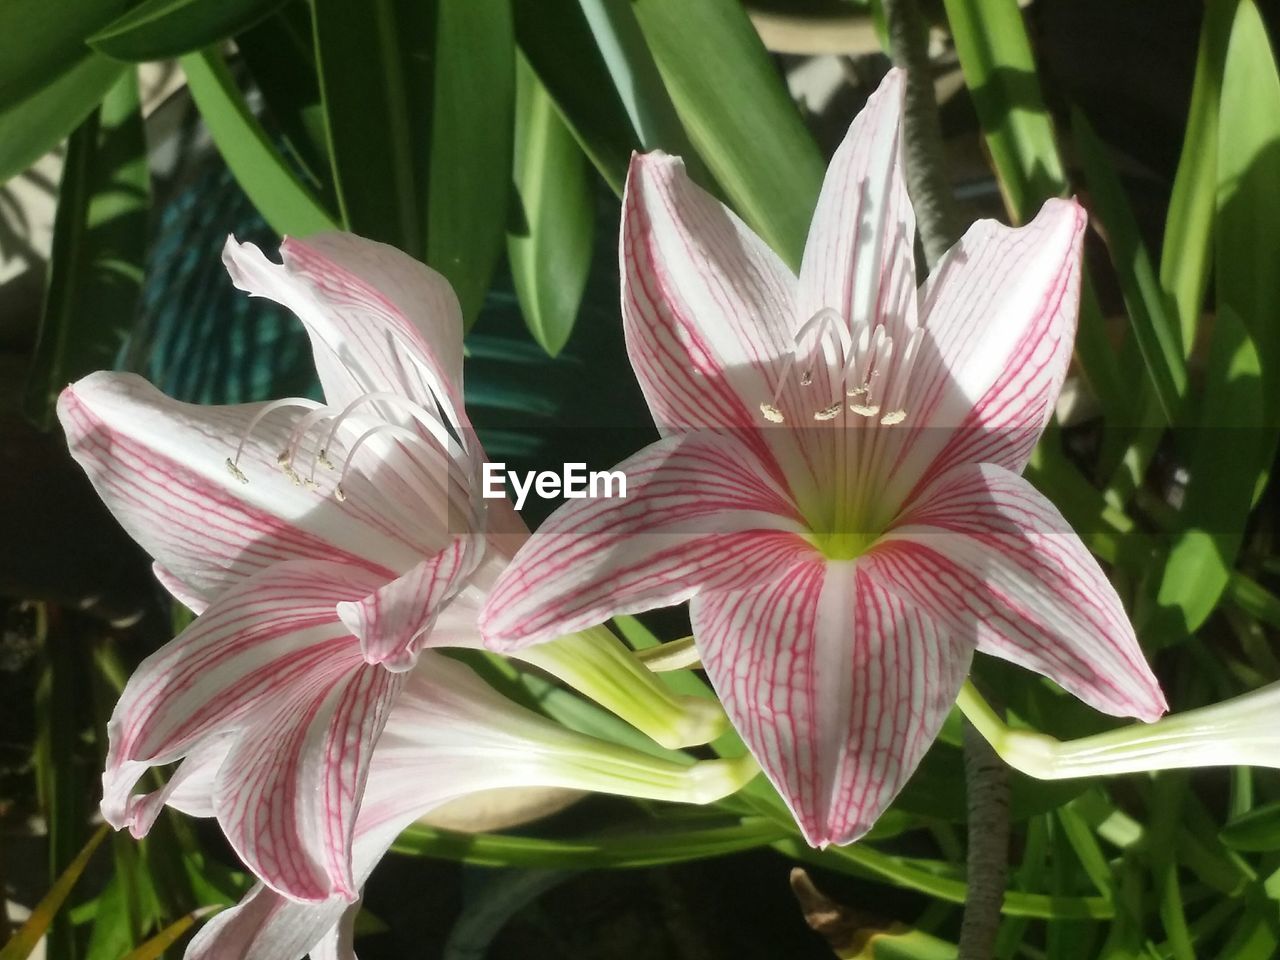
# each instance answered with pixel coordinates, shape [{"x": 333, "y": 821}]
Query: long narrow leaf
[
  {"x": 1153, "y": 328},
  {"x": 31, "y": 127},
  {"x": 159, "y": 29},
  {"x": 24, "y": 942},
  {"x": 42, "y": 40},
  {"x": 100, "y": 240},
  {"x": 738, "y": 114},
  {"x": 471, "y": 134},
  {"x": 1187, "y": 253},
  {"x": 1000, "y": 72},
  {"x": 162, "y": 941},
  {"x": 550, "y": 237},
  {"x": 636, "y": 76},
  {"x": 642, "y": 848},
  {"x": 556, "y": 38},
  {"x": 375, "y": 65},
  {"x": 1226, "y": 460},
  {"x": 1247, "y": 225},
  {"x": 275, "y": 189}
]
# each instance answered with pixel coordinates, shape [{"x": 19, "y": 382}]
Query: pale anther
[
  {"x": 771, "y": 413},
  {"x": 235, "y": 471},
  {"x": 829, "y": 413},
  {"x": 893, "y": 417}
]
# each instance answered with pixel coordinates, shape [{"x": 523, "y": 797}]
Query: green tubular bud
[{"x": 598, "y": 665}]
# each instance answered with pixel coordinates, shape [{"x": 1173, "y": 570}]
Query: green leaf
[
  {"x": 1000, "y": 72},
  {"x": 1257, "y": 831},
  {"x": 556, "y": 38},
  {"x": 739, "y": 115},
  {"x": 1187, "y": 252},
  {"x": 280, "y": 54},
  {"x": 42, "y": 40},
  {"x": 375, "y": 66},
  {"x": 1247, "y": 227},
  {"x": 155, "y": 947},
  {"x": 99, "y": 244},
  {"x": 24, "y": 942},
  {"x": 471, "y": 132},
  {"x": 635, "y": 75},
  {"x": 550, "y": 237},
  {"x": 1157, "y": 335},
  {"x": 32, "y": 126},
  {"x": 284, "y": 201},
  {"x": 862, "y": 860},
  {"x": 160, "y": 29},
  {"x": 650, "y": 845},
  {"x": 1226, "y": 462}
]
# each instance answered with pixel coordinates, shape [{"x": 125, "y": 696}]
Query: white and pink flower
[
  {"x": 326, "y": 548},
  {"x": 837, "y": 490}
]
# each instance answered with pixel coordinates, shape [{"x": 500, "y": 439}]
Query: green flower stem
[{"x": 597, "y": 664}]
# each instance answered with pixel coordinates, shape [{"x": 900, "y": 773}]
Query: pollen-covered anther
[
  {"x": 893, "y": 417},
  {"x": 339, "y": 494},
  {"x": 235, "y": 471},
  {"x": 771, "y": 413},
  {"x": 865, "y": 409},
  {"x": 827, "y": 413},
  {"x": 286, "y": 466}
]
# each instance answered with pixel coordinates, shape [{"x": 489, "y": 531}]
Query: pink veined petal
[
  {"x": 707, "y": 307},
  {"x": 988, "y": 555},
  {"x": 289, "y": 791},
  {"x": 699, "y": 512},
  {"x": 339, "y": 942},
  {"x": 260, "y": 640},
  {"x": 160, "y": 466},
  {"x": 859, "y": 259},
  {"x": 265, "y": 926},
  {"x": 379, "y": 320},
  {"x": 180, "y": 590},
  {"x": 189, "y": 789},
  {"x": 394, "y": 621},
  {"x": 999, "y": 314},
  {"x": 837, "y": 686}
]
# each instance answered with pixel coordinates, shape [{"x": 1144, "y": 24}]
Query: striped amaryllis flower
[
  {"x": 323, "y": 545},
  {"x": 837, "y": 490}
]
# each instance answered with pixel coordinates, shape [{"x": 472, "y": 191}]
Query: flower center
[
  {"x": 843, "y": 544},
  {"x": 861, "y": 370}
]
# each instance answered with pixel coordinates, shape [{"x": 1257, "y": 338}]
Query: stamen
[
  {"x": 827, "y": 413},
  {"x": 771, "y": 413},
  {"x": 233, "y": 463},
  {"x": 300, "y": 430},
  {"x": 422, "y": 416},
  {"x": 901, "y": 378},
  {"x": 404, "y": 433}
]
